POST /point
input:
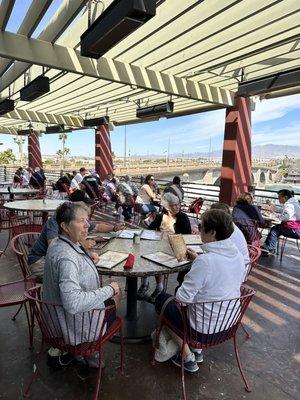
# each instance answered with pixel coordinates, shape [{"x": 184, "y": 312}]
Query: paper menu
[
  {"x": 128, "y": 233},
  {"x": 150, "y": 235},
  {"x": 178, "y": 246},
  {"x": 192, "y": 239},
  {"x": 165, "y": 259},
  {"x": 110, "y": 259}
]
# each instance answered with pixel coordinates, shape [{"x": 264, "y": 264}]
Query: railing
[{"x": 192, "y": 190}]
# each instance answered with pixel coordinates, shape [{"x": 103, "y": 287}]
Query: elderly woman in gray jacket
[{"x": 71, "y": 278}]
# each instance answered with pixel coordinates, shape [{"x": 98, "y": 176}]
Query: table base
[{"x": 138, "y": 330}]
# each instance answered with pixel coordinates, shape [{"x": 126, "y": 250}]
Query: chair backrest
[
  {"x": 79, "y": 334},
  {"x": 5, "y": 218},
  {"x": 254, "y": 254},
  {"x": 208, "y": 324},
  {"x": 22, "y": 243},
  {"x": 249, "y": 228}
]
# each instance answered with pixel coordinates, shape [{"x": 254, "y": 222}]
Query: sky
[{"x": 274, "y": 121}]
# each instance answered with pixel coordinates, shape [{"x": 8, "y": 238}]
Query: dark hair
[
  {"x": 148, "y": 178},
  {"x": 218, "y": 221},
  {"x": 245, "y": 198},
  {"x": 176, "y": 180},
  {"x": 67, "y": 211},
  {"x": 82, "y": 169},
  {"x": 285, "y": 192},
  {"x": 221, "y": 206}
]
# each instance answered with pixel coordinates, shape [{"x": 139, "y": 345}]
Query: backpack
[{"x": 196, "y": 205}]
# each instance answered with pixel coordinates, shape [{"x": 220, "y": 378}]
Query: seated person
[
  {"x": 175, "y": 188},
  {"x": 290, "y": 222},
  {"x": 37, "y": 180},
  {"x": 78, "y": 178},
  {"x": 248, "y": 217},
  {"x": 18, "y": 176},
  {"x": 127, "y": 192},
  {"x": 215, "y": 275},
  {"x": 171, "y": 220},
  {"x": 36, "y": 256},
  {"x": 149, "y": 196},
  {"x": 63, "y": 183},
  {"x": 237, "y": 236},
  {"x": 91, "y": 187},
  {"x": 72, "y": 280}
]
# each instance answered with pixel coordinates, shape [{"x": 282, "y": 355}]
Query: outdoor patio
[{"x": 271, "y": 357}]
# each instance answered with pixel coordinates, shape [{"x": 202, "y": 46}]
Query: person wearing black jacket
[{"x": 171, "y": 220}]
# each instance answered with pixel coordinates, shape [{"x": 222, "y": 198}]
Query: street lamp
[{"x": 20, "y": 141}]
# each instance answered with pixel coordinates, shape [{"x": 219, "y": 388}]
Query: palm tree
[{"x": 64, "y": 150}]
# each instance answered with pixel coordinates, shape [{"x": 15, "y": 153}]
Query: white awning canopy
[{"x": 194, "y": 52}]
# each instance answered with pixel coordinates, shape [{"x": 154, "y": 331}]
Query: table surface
[
  {"x": 6, "y": 183},
  {"x": 34, "y": 205},
  {"x": 142, "y": 267},
  {"x": 18, "y": 190}
]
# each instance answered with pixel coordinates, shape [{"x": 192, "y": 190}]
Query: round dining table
[
  {"x": 139, "y": 317},
  {"x": 42, "y": 205},
  {"x": 17, "y": 191},
  {"x": 6, "y": 183}
]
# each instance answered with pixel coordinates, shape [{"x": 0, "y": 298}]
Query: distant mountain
[{"x": 275, "y": 150}]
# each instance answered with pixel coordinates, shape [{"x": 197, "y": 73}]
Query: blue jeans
[
  {"x": 146, "y": 208},
  {"x": 275, "y": 232}
]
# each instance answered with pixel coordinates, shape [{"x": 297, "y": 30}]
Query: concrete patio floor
[{"x": 271, "y": 357}]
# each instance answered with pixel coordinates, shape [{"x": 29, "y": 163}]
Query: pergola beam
[
  {"x": 57, "y": 25},
  {"x": 7, "y": 130},
  {"x": 31, "y": 20},
  {"x": 45, "y": 118},
  {"x": 43, "y": 53},
  {"x": 5, "y": 11}
]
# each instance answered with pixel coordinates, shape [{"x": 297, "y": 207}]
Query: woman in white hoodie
[
  {"x": 214, "y": 276},
  {"x": 290, "y": 222}
]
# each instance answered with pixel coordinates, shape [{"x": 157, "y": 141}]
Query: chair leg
[
  {"x": 156, "y": 345},
  {"x": 284, "y": 239},
  {"x": 97, "y": 389},
  {"x": 122, "y": 347},
  {"x": 246, "y": 332},
  {"x": 29, "y": 317},
  {"x": 182, "y": 374},
  {"x": 19, "y": 309},
  {"x": 247, "y": 387},
  {"x": 26, "y": 392}
]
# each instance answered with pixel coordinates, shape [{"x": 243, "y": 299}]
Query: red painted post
[
  {"x": 34, "y": 151},
  {"x": 236, "y": 162},
  {"x": 103, "y": 153}
]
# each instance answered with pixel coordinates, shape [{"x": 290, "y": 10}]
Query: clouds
[{"x": 268, "y": 110}]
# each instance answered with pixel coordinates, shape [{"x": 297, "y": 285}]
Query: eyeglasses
[{"x": 151, "y": 179}]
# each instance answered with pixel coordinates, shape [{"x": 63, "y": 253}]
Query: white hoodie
[{"x": 215, "y": 275}]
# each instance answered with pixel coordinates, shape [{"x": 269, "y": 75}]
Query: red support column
[
  {"x": 236, "y": 163},
  {"x": 34, "y": 151},
  {"x": 103, "y": 154}
]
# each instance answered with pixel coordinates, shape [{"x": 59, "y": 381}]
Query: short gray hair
[
  {"x": 67, "y": 212},
  {"x": 169, "y": 199}
]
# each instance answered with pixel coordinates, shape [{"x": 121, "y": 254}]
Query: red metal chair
[
  {"x": 218, "y": 319},
  {"x": 254, "y": 254},
  {"x": 195, "y": 207},
  {"x": 22, "y": 242},
  {"x": 12, "y": 294},
  {"x": 250, "y": 229},
  {"x": 283, "y": 240},
  {"x": 80, "y": 334},
  {"x": 5, "y": 225}
]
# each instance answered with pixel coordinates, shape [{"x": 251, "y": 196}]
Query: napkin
[{"x": 129, "y": 262}]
